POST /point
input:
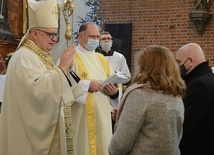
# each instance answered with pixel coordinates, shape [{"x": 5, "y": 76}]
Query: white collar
[{"x": 82, "y": 49}]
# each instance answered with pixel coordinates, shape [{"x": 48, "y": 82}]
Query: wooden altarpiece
[{"x": 11, "y": 29}]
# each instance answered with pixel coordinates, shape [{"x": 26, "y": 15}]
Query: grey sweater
[{"x": 150, "y": 124}]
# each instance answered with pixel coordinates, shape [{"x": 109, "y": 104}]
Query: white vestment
[
  {"x": 102, "y": 107},
  {"x": 33, "y": 97},
  {"x": 118, "y": 63}
]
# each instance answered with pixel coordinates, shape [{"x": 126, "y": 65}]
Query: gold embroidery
[
  {"x": 48, "y": 62},
  {"x": 84, "y": 75},
  {"x": 89, "y": 105},
  {"x": 68, "y": 129},
  {"x": 43, "y": 56},
  {"x": 56, "y": 12}
]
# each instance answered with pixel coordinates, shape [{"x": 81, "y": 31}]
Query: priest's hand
[
  {"x": 67, "y": 58},
  {"x": 95, "y": 86},
  {"x": 111, "y": 89}
]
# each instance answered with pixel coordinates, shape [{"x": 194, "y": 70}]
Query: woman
[{"x": 151, "y": 112}]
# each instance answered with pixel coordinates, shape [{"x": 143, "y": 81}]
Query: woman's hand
[{"x": 114, "y": 114}]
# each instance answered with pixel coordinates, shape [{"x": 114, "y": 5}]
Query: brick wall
[{"x": 162, "y": 22}]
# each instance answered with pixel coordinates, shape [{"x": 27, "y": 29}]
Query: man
[
  {"x": 116, "y": 60},
  {"x": 91, "y": 116},
  {"x": 198, "y": 128},
  {"x": 32, "y": 120}
]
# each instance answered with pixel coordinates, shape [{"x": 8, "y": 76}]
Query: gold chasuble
[{"x": 92, "y": 126}]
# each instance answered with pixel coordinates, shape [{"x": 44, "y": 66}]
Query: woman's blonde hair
[{"x": 157, "y": 66}]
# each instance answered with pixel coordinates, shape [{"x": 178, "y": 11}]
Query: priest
[
  {"x": 91, "y": 114},
  {"x": 36, "y": 91}
]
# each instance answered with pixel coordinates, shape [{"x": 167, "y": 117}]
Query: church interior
[
  {"x": 61, "y": 95},
  {"x": 134, "y": 24}
]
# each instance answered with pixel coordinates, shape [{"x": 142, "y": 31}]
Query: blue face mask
[
  {"x": 92, "y": 44},
  {"x": 106, "y": 46}
]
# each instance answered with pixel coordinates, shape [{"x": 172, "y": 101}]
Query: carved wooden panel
[
  {"x": 5, "y": 47},
  {"x": 15, "y": 17},
  {"x": 11, "y": 30}
]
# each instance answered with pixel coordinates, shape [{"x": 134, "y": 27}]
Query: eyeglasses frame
[{"x": 50, "y": 35}]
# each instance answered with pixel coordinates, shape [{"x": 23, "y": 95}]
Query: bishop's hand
[{"x": 67, "y": 58}]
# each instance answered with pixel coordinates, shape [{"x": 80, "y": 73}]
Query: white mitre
[{"x": 41, "y": 13}]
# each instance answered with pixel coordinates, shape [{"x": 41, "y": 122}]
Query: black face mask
[{"x": 183, "y": 69}]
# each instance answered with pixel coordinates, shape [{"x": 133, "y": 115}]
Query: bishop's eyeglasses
[{"x": 50, "y": 35}]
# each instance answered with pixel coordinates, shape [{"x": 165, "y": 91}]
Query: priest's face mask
[
  {"x": 106, "y": 42},
  {"x": 89, "y": 39}
]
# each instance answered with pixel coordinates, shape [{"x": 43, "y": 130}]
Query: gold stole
[
  {"x": 43, "y": 56},
  {"x": 68, "y": 129},
  {"x": 90, "y": 111}
]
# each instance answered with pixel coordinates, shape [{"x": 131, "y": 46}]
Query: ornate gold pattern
[
  {"x": 44, "y": 57},
  {"x": 25, "y": 7},
  {"x": 84, "y": 75},
  {"x": 56, "y": 12},
  {"x": 67, "y": 12},
  {"x": 90, "y": 109},
  {"x": 68, "y": 129}
]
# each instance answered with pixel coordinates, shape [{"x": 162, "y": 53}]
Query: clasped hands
[{"x": 109, "y": 89}]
